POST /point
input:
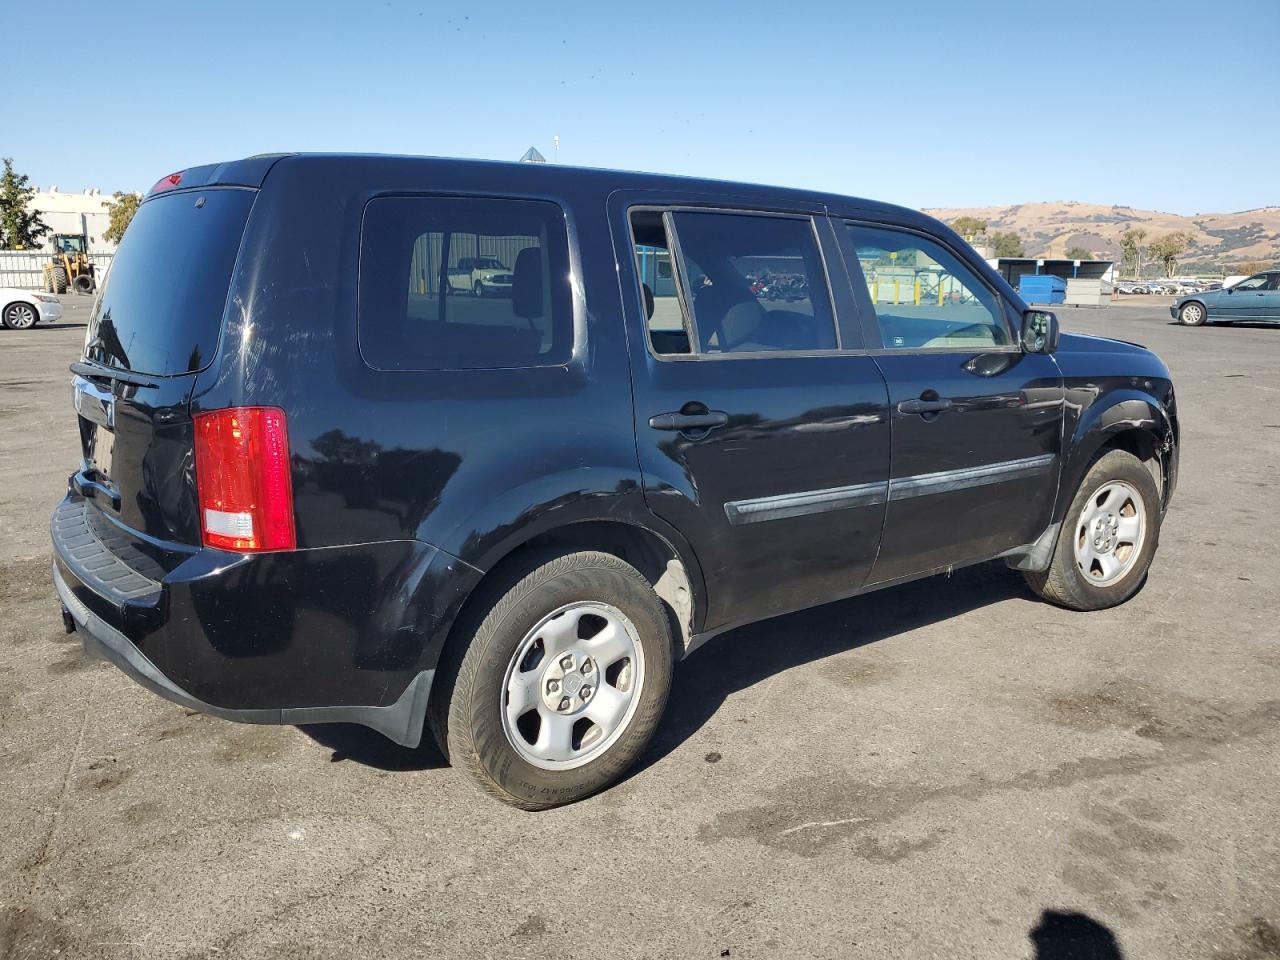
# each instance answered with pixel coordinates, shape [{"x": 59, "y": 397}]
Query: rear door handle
[
  {"x": 689, "y": 421},
  {"x": 924, "y": 406}
]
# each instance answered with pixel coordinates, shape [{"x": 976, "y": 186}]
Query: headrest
[
  {"x": 526, "y": 283},
  {"x": 648, "y": 301}
]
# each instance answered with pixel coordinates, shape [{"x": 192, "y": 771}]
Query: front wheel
[
  {"x": 19, "y": 316},
  {"x": 1192, "y": 314},
  {"x": 1108, "y": 539},
  {"x": 478, "y": 289},
  {"x": 563, "y": 684}
]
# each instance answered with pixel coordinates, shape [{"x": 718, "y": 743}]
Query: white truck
[{"x": 480, "y": 276}]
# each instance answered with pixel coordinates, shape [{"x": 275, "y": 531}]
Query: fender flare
[
  {"x": 560, "y": 501},
  {"x": 1122, "y": 411}
]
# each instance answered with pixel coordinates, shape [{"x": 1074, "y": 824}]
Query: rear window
[
  {"x": 464, "y": 284},
  {"x": 161, "y": 308}
]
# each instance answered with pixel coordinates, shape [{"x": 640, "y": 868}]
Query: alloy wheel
[
  {"x": 1110, "y": 532},
  {"x": 573, "y": 685}
]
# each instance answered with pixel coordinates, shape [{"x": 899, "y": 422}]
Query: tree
[
  {"x": 1131, "y": 249},
  {"x": 969, "y": 227},
  {"x": 1006, "y": 245},
  {"x": 1167, "y": 249},
  {"x": 20, "y": 228},
  {"x": 1079, "y": 253},
  {"x": 123, "y": 207}
]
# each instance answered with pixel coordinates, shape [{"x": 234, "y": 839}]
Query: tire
[
  {"x": 1077, "y": 577},
  {"x": 83, "y": 283},
  {"x": 529, "y": 631},
  {"x": 1192, "y": 314},
  {"x": 478, "y": 289},
  {"x": 60, "y": 279},
  {"x": 20, "y": 316}
]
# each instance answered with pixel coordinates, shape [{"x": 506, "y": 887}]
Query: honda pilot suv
[{"x": 317, "y": 487}]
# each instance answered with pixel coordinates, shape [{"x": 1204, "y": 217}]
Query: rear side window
[
  {"x": 464, "y": 284},
  {"x": 160, "y": 311},
  {"x": 755, "y": 283}
]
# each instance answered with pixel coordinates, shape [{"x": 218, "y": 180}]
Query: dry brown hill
[{"x": 1048, "y": 229}]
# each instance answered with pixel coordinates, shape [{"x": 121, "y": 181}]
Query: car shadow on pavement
[
  {"x": 743, "y": 657},
  {"x": 350, "y": 741},
  {"x": 1067, "y": 935},
  {"x": 43, "y": 325}
]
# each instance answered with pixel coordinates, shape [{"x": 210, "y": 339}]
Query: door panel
[
  {"x": 976, "y": 423},
  {"x": 781, "y": 490},
  {"x": 979, "y": 477}
]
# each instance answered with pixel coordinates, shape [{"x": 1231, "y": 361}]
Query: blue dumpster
[{"x": 1042, "y": 288}]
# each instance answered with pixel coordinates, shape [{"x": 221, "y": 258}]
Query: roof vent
[{"x": 533, "y": 156}]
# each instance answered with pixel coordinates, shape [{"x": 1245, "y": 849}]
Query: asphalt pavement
[{"x": 946, "y": 769}]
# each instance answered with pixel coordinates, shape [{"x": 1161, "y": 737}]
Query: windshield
[{"x": 161, "y": 306}]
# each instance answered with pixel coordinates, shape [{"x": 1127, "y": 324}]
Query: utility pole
[{"x": 556, "y": 141}]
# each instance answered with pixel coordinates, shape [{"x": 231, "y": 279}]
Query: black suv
[{"x": 318, "y": 486}]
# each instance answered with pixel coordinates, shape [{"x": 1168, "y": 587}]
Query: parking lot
[{"x": 946, "y": 769}]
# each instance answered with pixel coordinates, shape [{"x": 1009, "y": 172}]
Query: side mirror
[{"x": 1039, "y": 331}]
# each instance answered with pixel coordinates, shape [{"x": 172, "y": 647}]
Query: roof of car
[{"x": 550, "y": 174}]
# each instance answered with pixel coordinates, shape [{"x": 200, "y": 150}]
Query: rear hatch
[{"x": 154, "y": 328}]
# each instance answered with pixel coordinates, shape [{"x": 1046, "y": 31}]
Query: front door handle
[
  {"x": 924, "y": 406},
  {"x": 689, "y": 421}
]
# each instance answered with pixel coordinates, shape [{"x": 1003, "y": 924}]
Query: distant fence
[{"x": 24, "y": 269}]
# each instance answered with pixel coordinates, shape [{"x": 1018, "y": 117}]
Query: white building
[{"x": 86, "y": 213}]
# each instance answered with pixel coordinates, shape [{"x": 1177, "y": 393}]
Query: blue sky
[{"x": 1167, "y": 105}]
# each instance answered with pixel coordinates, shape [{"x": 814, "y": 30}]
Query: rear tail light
[
  {"x": 167, "y": 183},
  {"x": 242, "y": 479}
]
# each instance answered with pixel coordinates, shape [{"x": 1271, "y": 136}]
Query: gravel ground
[{"x": 946, "y": 769}]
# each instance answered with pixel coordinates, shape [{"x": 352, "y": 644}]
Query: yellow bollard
[
  {"x": 895, "y": 291},
  {"x": 917, "y": 296},
  {"x": 941, "y": 294},
  {"x": 875, "y": 291}
]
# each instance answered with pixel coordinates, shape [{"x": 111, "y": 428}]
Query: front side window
[
  {"x": 924, "y": 296},
  {"x": 1260, "y": 282},
  {"x": 464, "y": 284}
]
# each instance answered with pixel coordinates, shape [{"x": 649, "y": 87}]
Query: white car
[{"x": 22, "y": 309}]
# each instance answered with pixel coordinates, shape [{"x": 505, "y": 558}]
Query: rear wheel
[
  {"x": 1108, "y": 539},
  {"x": 1192, "y": 314},
  {"x": 562, "y": 686},
  {"x": 19, "y": 316}
]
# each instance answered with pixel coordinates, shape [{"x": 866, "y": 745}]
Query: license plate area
[{"x": 96, "y": 407}]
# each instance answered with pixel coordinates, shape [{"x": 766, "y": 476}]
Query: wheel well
[
  {"x": 655, "y": 559},
  {"x": 1141, "y": 444}
]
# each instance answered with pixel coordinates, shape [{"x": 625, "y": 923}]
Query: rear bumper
[
  {"x": 400, "y": 721},
  {"x": 343, "y": 634}
]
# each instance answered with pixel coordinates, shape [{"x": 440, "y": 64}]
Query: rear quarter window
[
  {"x": 464, "y": 284},
  {"x": 161, "y": 307}
]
